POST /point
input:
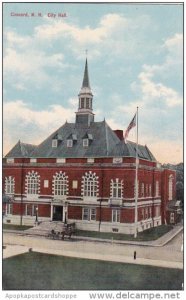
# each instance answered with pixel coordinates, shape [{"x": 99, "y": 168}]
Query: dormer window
[
  {"x": 74, "y": 137},
  {"x": 90, "y": 137},
  {"x": 54, "y": 143},
  {"x": 87, "y": 139},
  {"x": 69, "y": 143},
  {"x": 56, "y": 140},
  {"x": 71, "y": 140},
  {"x": 85, "y": 142}
]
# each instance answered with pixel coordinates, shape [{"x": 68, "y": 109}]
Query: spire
[
  {"x": 86, "y": 83},
  {"x": 85, "y": 112}
]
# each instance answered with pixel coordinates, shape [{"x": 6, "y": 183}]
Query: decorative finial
[{"x": 86, "y": 52}]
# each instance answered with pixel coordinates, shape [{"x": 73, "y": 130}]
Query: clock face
[{"x": 117, "y": 160}]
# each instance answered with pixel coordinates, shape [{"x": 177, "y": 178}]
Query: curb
[
  {"x": 170, "y": 238},
  {"x": 91, "y": 239}
]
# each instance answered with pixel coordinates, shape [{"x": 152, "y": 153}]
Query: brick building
[{"x": 84, "y": 172}]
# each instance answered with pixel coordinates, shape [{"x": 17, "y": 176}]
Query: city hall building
[{"x": 84, "y": 173}]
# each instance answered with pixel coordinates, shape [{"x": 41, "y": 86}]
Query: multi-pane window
[
  {"x": 30, "y": 209},
  {"x": 171, "y": 217},
  {"x": 86, "y": 214},
  {"x": 85, "y": 142},
  {"x": 116, "y": 215},
  {"x": 87, "y": 103},
  {"x": 150, "y": 190},
  {"x": 82, "y": 102},
  {"x": 32, "y": 183},
  {"x": 142, "y": 190},
  {"x": 60, "y": 184},
  {"x": 9, "y": 185},
  {"x": 170, "y": 187},
  {"x": 69, "y": 143},
  {"x": 116, "y": 188},
  {"x": 90, "y": 184},
  {"x": 147, "y": 190},
  {"x": 143, "y": 213},
  {"x": 157, "y": 211},
  {"x": 54, "y": 143},
  {"x": 157, "y": 189},
  {"x": 89, "y": 214},
  {"x": 150, "y": 212},
  {"x": 9, "y": 208},
  {"x": 93, "y": 214},
  {"x": 146, "y": 213}
]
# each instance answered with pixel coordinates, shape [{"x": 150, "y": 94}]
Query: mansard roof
[
  {"x": 21, "y": 150},
  {"x": 103, "y": 142}
]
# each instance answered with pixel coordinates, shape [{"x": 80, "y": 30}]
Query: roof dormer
[
  {"x": 71, "y": 140},
  {"x": 87, "y": 139},
  {"x": 56, "y": 140}
]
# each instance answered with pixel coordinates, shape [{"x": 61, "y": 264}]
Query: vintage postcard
[{"x": 92, "y": 184}]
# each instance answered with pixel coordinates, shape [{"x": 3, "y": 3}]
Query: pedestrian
[{"x": 134, "y": 254}]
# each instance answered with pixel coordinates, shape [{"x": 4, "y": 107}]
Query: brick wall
[
  {"x": 105, "y": 173},
  {"x": 75, "y": 212}
]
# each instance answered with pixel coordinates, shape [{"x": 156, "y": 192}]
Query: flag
[{"x": 131, "y": 125}]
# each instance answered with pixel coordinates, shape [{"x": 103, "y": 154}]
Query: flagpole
[{"x": 136, "y": 180}]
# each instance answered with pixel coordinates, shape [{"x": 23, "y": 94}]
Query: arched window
[
  {"x": 9, "y": 185},
  {"x": 90, "y": 184},
  {"x": 116, "y": 188},
  {"x": 60, "y": 184},
  {"x": 32, "y": 183},
  {"x": 170, "y": 192}
]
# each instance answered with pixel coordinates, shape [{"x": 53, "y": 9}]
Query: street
[
  {"x": 169, "y": 255},
  {"x": 176, "y": 243}
]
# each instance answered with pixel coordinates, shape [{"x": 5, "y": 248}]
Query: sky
[{"x": 134, "y": 58}]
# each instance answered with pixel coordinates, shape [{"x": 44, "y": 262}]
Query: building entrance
[{"x": 57, "y": 213}]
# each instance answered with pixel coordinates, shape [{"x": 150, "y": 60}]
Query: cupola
[{"x": 84, "y": 114}]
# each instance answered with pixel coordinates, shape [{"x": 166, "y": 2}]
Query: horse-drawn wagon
[{"x": 60, "y": 231}]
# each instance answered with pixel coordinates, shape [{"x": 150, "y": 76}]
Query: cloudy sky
[{"x": 134, "y": 58}]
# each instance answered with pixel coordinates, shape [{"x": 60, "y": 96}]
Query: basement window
[{"x": 115, "y": 229}]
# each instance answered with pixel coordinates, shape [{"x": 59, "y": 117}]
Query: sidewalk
[
  {"x": 114, "y": 258},
  {"x": 163, "y": 240},
  {"x": 155, "y": 243},
  {"x": 148, "y": 253},
  {"x": 160, "y": 257},
  {"x": 13, "y": 250}
]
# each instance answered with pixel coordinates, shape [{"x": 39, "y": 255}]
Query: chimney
[{"x": 119, "y": 134}]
